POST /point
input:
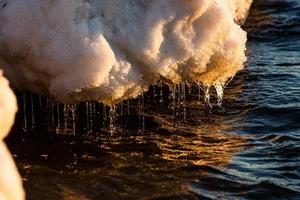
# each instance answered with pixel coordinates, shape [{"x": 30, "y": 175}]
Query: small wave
[
  {"x": 291, "y": 110},
  {"x": 271, "y": 190},
  {"x": 279, "y": 138},
  {"x": 285, "y": 64},
  {"x": 213, "y": 185},
  {"x": 271, "y": 20}
]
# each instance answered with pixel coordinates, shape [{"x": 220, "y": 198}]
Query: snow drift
[{"x": 110, "y": 50}]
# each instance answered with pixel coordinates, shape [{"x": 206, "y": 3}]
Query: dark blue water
[{"x": 248, "y": 149}]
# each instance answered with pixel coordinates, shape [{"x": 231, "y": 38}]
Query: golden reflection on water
[
  {"x": 131, "y": 164},
  {"x": 211, "y": 139},
  {"x": 209, "y": 145}
]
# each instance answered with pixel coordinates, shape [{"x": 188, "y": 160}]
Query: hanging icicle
[
  {"x": 128, "y": 107},
  {"x": 66, "y": 118},
  {"x": 25, "y": 125},
  {"x": 183, "y": 96},
  {"x": 173, "y": 103},
  {"x": 139, "y": 108},
  {"x": 73, "y": 112},
  {"x": 32, "y": 111},
  {"x": 161, "y": 96},
  {"x": 104, "y": 117},
  {"x": 143, "y": 112},
  {"x": 112, "y": 119},
  {"x": 220, "y": 92},
  {"x": 207, "y": 98},
  {"x": 122, "y": 114},
  {"x": 52, "y": 107},
  {"x": 91, "y": 116},
  {"x": 58, "y": 127}
]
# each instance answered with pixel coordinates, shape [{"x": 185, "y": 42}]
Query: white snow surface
[{"x": 111, "y": 50}]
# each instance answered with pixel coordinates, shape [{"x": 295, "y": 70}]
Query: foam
[
  {"x": 10, "y": 180},
  {"x": 110, "y": 50}
]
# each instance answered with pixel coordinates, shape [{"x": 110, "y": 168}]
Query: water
[{"x": 178, "y": 148}]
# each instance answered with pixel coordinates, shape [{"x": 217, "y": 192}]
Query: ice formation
[
  {"x": 110, "y": 50},
  {"x": 10, "y": 180}
]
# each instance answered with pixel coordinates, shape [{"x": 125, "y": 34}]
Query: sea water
[{"x": 247, "y": 148}]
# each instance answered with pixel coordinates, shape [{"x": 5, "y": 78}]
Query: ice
[{"x": 111, "y": 50}]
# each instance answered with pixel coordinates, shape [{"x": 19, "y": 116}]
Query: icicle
[
  {"x": 52, "y": 113},
  {"x": 183, "y": 91},
  {"x": 178, "y": 101},
  {"x": 207, "y": 97},
  {"x": 154, "y": 95},
  {"x": 143, "y": 112},
  {"x": 228, "y": 82},
  {"x": 87, "y": 116},
  {"x": 128, "y": 107},
  {"x": 73, "y": 112},
  {"x": 40, "y": 101},
  {"x": 139, "y": 108},
  {"x": 99, "y": 113},
  {"x": 173, "y": 103},
  {"x": 48, "y": 101},
  {"x": 220, "y": 92},
  {"x": 58, "y": 119},
  {"x": 199, "y": 91},
  {"x": 112, "y": 119},
  {"x": 122, "y": 108},
  {"x": 122, "y": 112},
  {"x": 91, "y": 116},
  {"x": 25, "y": 126},
  {"x": 66, "y": 117},
  {"x": 188, "y": 87},
  {"x": 32, "y": 111},
  {"x": 104, "y": 116},
  {"x": 93, "y": 113},
  {"x": 161, "y": 96},
  {"x": 46, "y": 111},
  {"x": 94, "y": 109}
]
